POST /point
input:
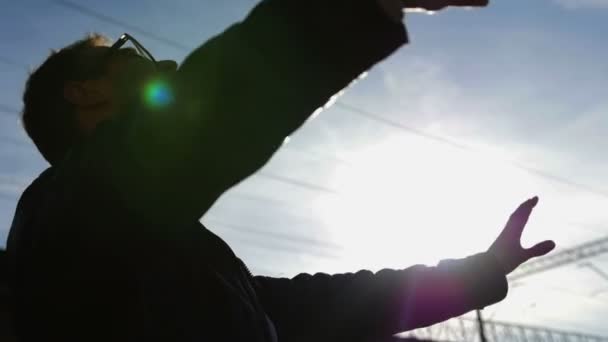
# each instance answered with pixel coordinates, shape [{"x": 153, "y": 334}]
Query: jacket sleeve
[
  {"x": 236, "y": 99},
  {"x": 367, "y": 307}
]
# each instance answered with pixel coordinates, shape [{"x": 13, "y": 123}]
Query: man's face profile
[{"x": 123, "y": 82}]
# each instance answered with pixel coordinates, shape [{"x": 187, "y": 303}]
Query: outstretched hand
[
  {"x": 435, "y": 5},
  {"x": 507, "y": 248}
]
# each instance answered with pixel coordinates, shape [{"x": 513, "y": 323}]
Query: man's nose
[{"x": 166, "y": 66}]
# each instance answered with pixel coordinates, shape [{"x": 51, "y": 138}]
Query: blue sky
[{"x": 457, "y": 127}]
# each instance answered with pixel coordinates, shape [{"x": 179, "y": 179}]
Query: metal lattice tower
[
  {"x": 466, "y": 330},
  {"x": 562, "y": 258}
]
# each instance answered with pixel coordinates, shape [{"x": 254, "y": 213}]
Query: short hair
[{"x": 48, "y": 118}]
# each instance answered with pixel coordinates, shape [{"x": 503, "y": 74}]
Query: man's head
[{"x": 80, "y": 86}]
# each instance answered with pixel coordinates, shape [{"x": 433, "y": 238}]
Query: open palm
[{"x": 507, "y": 247}]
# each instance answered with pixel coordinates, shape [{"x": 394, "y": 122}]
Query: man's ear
[{"x": 85, "y": 93}]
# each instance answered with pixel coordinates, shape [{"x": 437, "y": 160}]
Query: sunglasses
[{"x": 131, "y": 43}]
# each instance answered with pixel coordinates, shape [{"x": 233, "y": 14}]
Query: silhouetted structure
[
  {"x": 563, "y": 257},
  {"x": 466, "y": 330}
]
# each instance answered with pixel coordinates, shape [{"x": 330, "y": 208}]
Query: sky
[{"x": 422, "y": 160}]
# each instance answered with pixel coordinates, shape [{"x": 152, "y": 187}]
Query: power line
[
  {"x": 283, "y": 179},
  {"x": 406, "y": 128},
  {"x": 596, "y": 270},
  {"x": 355, "y": 110},
  {"x": 8, "y": 197},
  {"x": 537, "y": 172},
  {"x": 277, "y": 235},
  {"x": 6, "y": 109},
  {"x": 289, "y": 237},
  {"x": 105, "y": 18},
  {"x": 299, "y": 183},
  {"x": 309, "y": 152},
  {"x": 8, "y": 61},
  {"x": 265, "y": 243}
]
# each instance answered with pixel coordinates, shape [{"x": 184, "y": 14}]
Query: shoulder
[
  {"x": 21, "y": 227},
  {"x": 35, "y": 190}
]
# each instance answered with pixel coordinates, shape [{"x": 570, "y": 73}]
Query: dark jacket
[{"x": 107, "y": 245}]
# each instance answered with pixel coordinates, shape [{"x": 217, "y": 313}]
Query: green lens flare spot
[{"x": 158, "y": 94}]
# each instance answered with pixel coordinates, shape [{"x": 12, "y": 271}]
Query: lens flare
[{"x": 158, "y": 94}]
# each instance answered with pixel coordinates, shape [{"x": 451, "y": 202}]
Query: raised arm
[
  {"x": 365, "y": 306},
  {"x": 370, "y": 307},
  {"x": 237, "y": 97}
]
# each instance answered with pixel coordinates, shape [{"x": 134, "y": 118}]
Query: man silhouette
[{"x": 106, "y": 244}]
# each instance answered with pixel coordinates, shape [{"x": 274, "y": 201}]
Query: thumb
[{"x": 540, "y": 249}]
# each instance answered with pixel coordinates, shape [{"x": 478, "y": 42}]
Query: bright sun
[{"x": 411, "y": 200}]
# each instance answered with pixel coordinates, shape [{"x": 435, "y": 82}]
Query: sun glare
[
  {"x": 411, "y": 200},
  {"x": 158, "y": 94}
]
